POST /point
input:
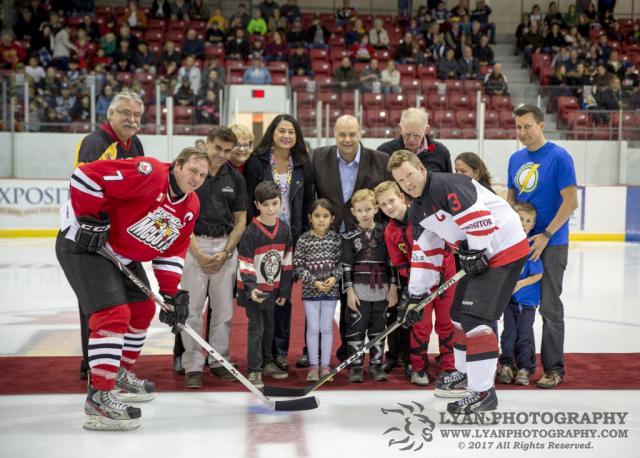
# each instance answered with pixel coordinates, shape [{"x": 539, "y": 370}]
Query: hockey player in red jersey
[
  {"x": 141, "y": 210},
  {"x": 399, "y": 239},
  {"x": 491, "y": 248}
]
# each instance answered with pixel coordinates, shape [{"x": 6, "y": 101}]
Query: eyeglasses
[
  {"x": 244, "y": 146},
  {"x": 128, "y": 114}
]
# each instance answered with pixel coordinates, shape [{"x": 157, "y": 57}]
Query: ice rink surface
[{"x": 38, "y": 317}]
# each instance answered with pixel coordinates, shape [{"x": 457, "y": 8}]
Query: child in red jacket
[{"x": 399, "y": 239}]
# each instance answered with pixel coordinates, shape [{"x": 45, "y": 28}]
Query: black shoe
[
  {"x": 303, "y": 362},
  {"x": 177, "y": 365},
  {"x": 476, "y": 402},
  {"x": 281, "y": 362},
  {"x": 408, "y": 370},
  {"x": 84, "y": 370},
  {"x": 356, "y": 375}
]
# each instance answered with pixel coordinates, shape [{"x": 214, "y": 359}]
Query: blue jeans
[{"x": 516, "y": 340}]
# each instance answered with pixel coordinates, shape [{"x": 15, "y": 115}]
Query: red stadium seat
[
  {"x": 491, "y": 119},
  {"x": 329, "y": 97},
  {"x": 409, "y": 85},
  {"x": 318, "y": 54},
  {"x": 183, "y": 115},
  {"x": 396, "y": 101},
  {"x": 408, "y": 70},
  {"x": 394, "y": 116},
  {"x": 466, "y": 119},
  {"x": 472, "y": 86},
  {"x": 539, "y": 60},
  {"x": 437, "y": 101},
  {"x": 370, "y": 101},
  {"x": 376, "y": 118},
  {"x": 429, "y": 86},
  {"x": 299, "y": 82},
  {"x": 454, "y": 86},
  {"x": 459, "y": 101},
  {"x": 501, "y": 102},
  {"x": 450, "y": 133},
  {"x": 321, "y": 68},
  {"x": 507, "y": 120},
  {"x": 427, "y": 71},
  {"x": 444, "y": 119}
]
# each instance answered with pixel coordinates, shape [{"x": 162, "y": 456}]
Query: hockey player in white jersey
[{"x": 454, "y": 212}]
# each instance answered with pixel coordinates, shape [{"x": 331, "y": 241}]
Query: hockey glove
[
  {"x": 473, "y": 262},
  {"x": 406, "y": 315},
  {"x": 93, "y": 233},
  {"x": 180, "y": 313}
]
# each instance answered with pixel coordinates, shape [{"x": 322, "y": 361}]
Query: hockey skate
[
  {"x": 451, "y": 385},
  {"x": 130, "y": 388},
  {"x": 477, "y": 401},
  {"x": 105, "y": 412}
]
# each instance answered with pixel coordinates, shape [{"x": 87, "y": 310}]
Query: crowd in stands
[
  {"x": 586, "y": 46},
  {"x": 191, "y": 51}
]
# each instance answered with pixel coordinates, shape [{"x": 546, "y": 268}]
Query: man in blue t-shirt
[{"x": 543, "y": 174}]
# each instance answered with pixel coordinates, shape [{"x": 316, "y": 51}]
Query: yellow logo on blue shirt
[{"x": 526, "y": 179}]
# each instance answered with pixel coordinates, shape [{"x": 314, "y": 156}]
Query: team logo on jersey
[
  {"x": 403, "y": 248},
  {"x": 158, "y": 230},
  {"x": 526, "y": 179},
  {"x": 188, "y": 217},
  {"x": 145, "y": 167},
  {"x": 357, "y": 244},
  {"x": 270, "y": 266}
]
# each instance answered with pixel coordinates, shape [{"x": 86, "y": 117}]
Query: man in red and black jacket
[
  {"x": 414, "y": 137},
  {"x": 114, "y": 139}
]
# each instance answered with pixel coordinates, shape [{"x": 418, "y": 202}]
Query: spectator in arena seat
[
  {"x": 578, "y": 80},
  {"x": 257, "y": 48},
  {"x": 390, "y": 79},
  {"x": 533, "y": 41},
  {"x": 210, "y": 83},
  {"x": 296, "y": 33},
  {"x": 345, "y": 76},
  {"x": 161, "y": 9},
  {"x": 124, "y": 33},
  {"x": 192, "y": 45},
  {"x": 615, "y": 65},
  {"x": 238, "y": 47},
  {"x": 180, "y": 10},
  {"x": 346, "y": 14},
  {"x": 198, "y": 10},
  {"x": 51, "y": 116},
  {"x": 584, "y": 26},
  {"x": 481, "y": 14},
  {"x": 124, "y": 53},
  {"x": 33, "y": 69},
  {"x": 600, "y": 76},
  {"x": 266, "y": 8},
  {"x": 169, "y": 54},
  {"x": 214, "y": 34},
  {"x": 219, "y": 18},
  {"x": 448, "y": 67},
  {"x": 441, "y": 14},
  {"x": 378, "y": 36},
  {"x": 144, "y": 60},
  {"x": 631, "y": 77},
  {"x": 257, "y": 73},
  {"x": 207, "y": 109},
  {"x": 81, "y": 111},
  {"x": 103, "y": 102},
  {"x": 355, "y": 34},
  {"x": 614, "y": 33},
  {"x": 370, "y": 77},
  {"x": 49, "y": 86},
  {"x": 291, "y": 11},
  {"x": 109, "y": 44},
  {"x": 460, "y": 9},
  {"x": 495, "y": 83},
  {"x": 183, "y": 94},
  {"x": 214, "y": 64},
  {"x": 317, "y": 35},
  {"x": 535, "y": 17},
  {"x": 484, "y": 53},
  {"x": 404, "y": 50},
  {"x": 607, "y": 98},
  {"x": 521, "y": 31},
  {"x": 475, "y": 34},
  {"x": 65, "y": 103},
  {"x": 25, "y": 25},
  {"x": 191, "y": 71},
  {"x": 242, "y": 15},
  {"x": 277, "y": 50},
  {"x": 438, "y": 48},
  {"x": 468, "y": 66},
  {"x": 570, "y": 18},
  {"x": 553, "y": 16},
  {"x": 554, "y": 39},
  {"x": 634, "y": 34},
  {"x": 299, "y": 62},
  {"x": 277, "y": 22},
  {"x": 362, "y": 51},
  {"x": 257, "y": 24},
  {"x": 453, "y": 39},
  {"x": 134, "y": 16}
]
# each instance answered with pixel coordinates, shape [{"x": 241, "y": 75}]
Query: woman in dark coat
[{"x": 281, "y": 157}]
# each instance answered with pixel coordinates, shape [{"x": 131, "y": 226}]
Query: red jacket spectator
[{"x": 11, "y": 53}]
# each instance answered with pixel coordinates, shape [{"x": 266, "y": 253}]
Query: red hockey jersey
[
  {"x": 145, "y": 224},
  {"x": 454, "y": 209},
  {"x": 399, "y": 240}
]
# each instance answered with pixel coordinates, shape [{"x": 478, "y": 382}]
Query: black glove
[
  {"x": 93, "y": 233},
  {"x": 406, "y": 315},
  {"x": 473, "y": 262},
  {"x": 180, "y": 303}
]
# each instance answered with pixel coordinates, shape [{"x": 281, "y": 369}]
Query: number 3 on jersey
[{"x": 454, "y": 202}]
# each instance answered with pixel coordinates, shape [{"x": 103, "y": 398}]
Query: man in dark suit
[
  {"x": 340, "y": 171},
  {"x": 414, "y": 136}
]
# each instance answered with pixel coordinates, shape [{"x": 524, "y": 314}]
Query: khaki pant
[{"x": 218, "y": 288}]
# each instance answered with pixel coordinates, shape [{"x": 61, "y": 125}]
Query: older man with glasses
[
  {"x": 414, "y": 137},
  {"x": 114, "y": 139}
]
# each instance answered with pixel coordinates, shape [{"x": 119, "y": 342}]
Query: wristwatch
[
  {"x": 229, "y": 253},
  {"x": 547, "y": 234}
]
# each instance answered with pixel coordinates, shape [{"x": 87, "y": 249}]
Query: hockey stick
[
  {"x": 284, "y": 391},
  {"x": 289, "y": 405}
]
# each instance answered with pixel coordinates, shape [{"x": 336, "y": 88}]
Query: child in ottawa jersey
[
  {"x": 370, "y": 283},
  {"x": 399, "y": 239},
  {"x": 317, "y": 261},
  {"x": 264, "y": 279},
  {"x": 518, "y": 350}
]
